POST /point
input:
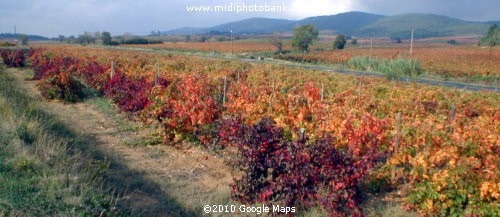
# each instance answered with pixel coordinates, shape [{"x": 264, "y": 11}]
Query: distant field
[
  {"x": 238, "y": 46},
  {"x": 443, "y": 60},
  {"x": 465, "y": 62}
]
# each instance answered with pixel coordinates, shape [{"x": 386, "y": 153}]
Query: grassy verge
[
  {"x": 42, "y": 168},
  {"x": 47, "y": 168},
  {"x": 391, "y": 68}
]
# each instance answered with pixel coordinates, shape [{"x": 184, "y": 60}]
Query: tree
[
  {"x": 354, "y": 41},
  {"x": 97, "y": 35},
  {"x": 203, "y": 38},
  {"x": 88, "y": 37},
  {"x": 106, "y": 38},
  {"x": 339, "y": 42},
  {"x": 71, "y": 39},
  {"x": 304, "y": 36},
  {"x": 396, "y": 39},
  {"x": 491, "y": 37},
  {"x": 277, "y": 42},
  {"x": 61, "y": 38},
  {"x": 23, "y": 38},
  {"x": 85, "y": 39}
]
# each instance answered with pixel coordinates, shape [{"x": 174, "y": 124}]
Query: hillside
[
  {"x": 425, "y": 25},
  {"x": 185, "y": 31},
  {"x": 30, "y": 37},
  {"x": 255, "y": 25},
  {"x": 493, "y": 22},
  {"x": 353, "y": 23},
  {"x": 251, "y": 26},
  {"x": 343, "y": 23}
]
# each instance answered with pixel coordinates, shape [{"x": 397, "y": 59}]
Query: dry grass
[
  {"x": 83, "y": 154},
  {"x": 48, "y": 169},
  {"x": 42, "y": 170}
]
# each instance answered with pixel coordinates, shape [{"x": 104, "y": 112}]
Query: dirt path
[{"x": 161, "y": 180}]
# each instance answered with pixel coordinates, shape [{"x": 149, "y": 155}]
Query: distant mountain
[
  {"x": 493, "y": 22},
  {"x": 251, "y": 26},
  {"x": 255, "y": 25},
  {"x": 425, "y": 25},
  {"x": 353, "y": 23},
  {"x": 185, "y": 31},
  {"x": 30, "y": 37},
  {"x": 343, "y": 23}
]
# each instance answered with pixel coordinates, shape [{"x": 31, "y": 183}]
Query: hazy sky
[{"x": 71, "y": 17}]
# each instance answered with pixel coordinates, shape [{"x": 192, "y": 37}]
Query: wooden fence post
[
  {"x": 302, "y": 136},
  {"x": 371, "y": 48},
  {"x": 112, "y": 73},
  {"x": 398, "y": 131},
  {"x": 157, "y": 75},
  {"x": 238, "y": 76},
  {"x": 224, "y": 91},
  {"x": 452, "y": 118},
  {"x": 272, "y": 86},
  {"x": 396, "y": 145},
  {"x": 411, "y": 43},
  {"x": 322, "y": 91}
]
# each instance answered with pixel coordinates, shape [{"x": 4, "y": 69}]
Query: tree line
[
  {"x": 305, "y": 35},
  {"x": 105, "y": 38}
]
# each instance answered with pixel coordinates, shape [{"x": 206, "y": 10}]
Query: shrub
[
  {"x": 354, "y": 41},
  {"x": 129, "y": 94},
  {"x": 296, "y": 173},
  {"x": 44, "y": 65},
  {"x": 407, "y": 67},
  {"x": 62, "y": 86},
  {"x": 339, "y": 42},
  {"x": 190, "y": 106},
  {"x": 6, "y": 44},
  {"x": 392, "y": 68},
  {"x": 13, "y": 58},
  {"x": 39, "y": 62},
  {"x": 94, "y": 74},
  {"x": 141, "y": 41}
]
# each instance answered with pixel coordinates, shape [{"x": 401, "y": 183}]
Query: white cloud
[
  {"x": 54, "y": 17},
  {"x": 306, "y": 8}
]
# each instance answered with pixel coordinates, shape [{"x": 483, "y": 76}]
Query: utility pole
[
  {"x": 455, "y": 52},
  {"x": 371, "y": 47},
  {"x": 411, "y": 43},
  {"x": 231, "y": 43},
  {"x": 15, "y": 34}
]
